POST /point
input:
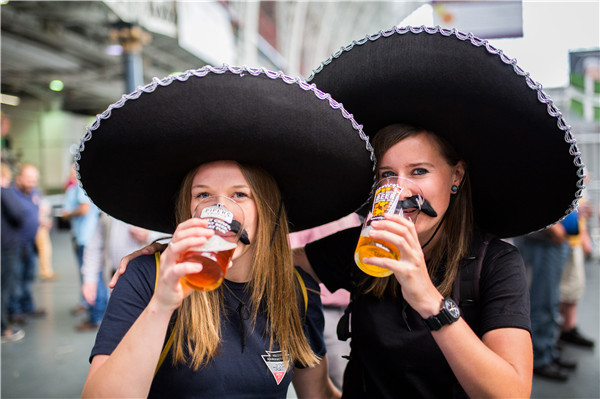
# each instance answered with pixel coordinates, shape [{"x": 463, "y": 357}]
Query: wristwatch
[{"x": 449, "y": 313}]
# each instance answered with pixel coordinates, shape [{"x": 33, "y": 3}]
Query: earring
[{"x": 454, "y": 189}]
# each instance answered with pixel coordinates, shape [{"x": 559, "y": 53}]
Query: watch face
[{"x": 452, "y": 309}]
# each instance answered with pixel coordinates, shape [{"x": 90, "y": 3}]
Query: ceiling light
[
  {"x": 10, "y": 100},
  {"x": 114, "y": 49},
  {"x": 56, "y": 85}
]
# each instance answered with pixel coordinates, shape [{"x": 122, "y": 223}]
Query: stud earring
[{"x": 454, "y": 189}]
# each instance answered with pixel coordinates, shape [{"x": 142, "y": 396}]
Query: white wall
[{"x": 43, "y": 137}]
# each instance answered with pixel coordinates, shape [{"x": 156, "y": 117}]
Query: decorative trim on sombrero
[{"x": 542, "y": 97}]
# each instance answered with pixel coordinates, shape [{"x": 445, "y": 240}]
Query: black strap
[
  {"x": 343, "y": 326},
  {"x": 465, "y": 290}
]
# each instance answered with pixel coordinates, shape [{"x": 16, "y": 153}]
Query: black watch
[{"x": 449, "y": 313}]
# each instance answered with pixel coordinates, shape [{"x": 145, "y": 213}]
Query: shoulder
[
  {"x": 310, "y": 292},
  {"x": 81, "y": 195},
  {"x": 140, "y": 274},
  {"x": 504, "y": 300},
  {"x": 8, "y": 194},
  {"x": 498, "y": 247},
  {"x": 306, "y": 279},
  {"x": 502, "y": 260}
]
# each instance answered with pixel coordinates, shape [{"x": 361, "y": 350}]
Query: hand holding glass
[
  {"x": 393, "y": 195},
  {"x": 226, "y": 218}
]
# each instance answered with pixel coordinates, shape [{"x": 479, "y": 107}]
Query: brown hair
[
  {"x": 198, "y": 320},
  {"x": 456, "y": 231}
]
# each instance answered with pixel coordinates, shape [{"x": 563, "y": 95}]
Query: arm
[
  {"x": 499, "y": 365},
  {"x": 314, "y": 382},
  {"x": 93, "y": 261},
  {"x": 81, "y": 210},
  {"x": 137, "y": 353},
  {"x": 11, "y": 208},
  {"x": 558, "y": 233}
]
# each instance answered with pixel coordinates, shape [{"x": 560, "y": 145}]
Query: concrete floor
[{"x": 52, "y": 360}]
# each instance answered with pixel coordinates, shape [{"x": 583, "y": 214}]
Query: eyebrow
[
  {"x": 410, "y": 165},
  {"x": 234, "y": 186}
]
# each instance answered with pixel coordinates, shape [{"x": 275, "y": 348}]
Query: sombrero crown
[
  {"x": 526, "y": 170},
  {"x": 134, "y": 157}
]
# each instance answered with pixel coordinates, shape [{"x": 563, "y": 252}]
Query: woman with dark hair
[{"x": 494, "y": 159}]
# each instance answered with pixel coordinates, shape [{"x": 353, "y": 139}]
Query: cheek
[
  {"x": 251, "y": 222},
  {"x": 437, "y": 196}
]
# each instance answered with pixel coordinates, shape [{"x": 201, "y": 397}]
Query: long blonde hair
[
  {"x": 272, "y": 283},
  {"x": 456, "y": 231}
]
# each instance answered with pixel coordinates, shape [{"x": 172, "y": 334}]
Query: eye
[
  {"x": 240, "y": 195},
  {"x": 388, "y": 173},
  {"x": 202, "y": 195},
  {"x": 419, "y": 171}
]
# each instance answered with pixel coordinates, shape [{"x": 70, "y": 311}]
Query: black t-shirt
[
  {"x": 393, "y": 353},
  {"x": 255, "y": 372}
]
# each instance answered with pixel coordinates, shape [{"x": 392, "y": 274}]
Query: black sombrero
[
  {"x": 133, "y": 158},
  {"x": 525, "y": 167}
]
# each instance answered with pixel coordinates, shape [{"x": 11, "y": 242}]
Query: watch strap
[{"x": 443, "y": 318}]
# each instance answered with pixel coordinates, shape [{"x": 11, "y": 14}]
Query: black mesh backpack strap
[
  {"x": 343, "y": 326},
  {"x": 465, "y": 290}
]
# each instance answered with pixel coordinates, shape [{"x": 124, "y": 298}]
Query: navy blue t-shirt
[{"x": 254, "y": 372}]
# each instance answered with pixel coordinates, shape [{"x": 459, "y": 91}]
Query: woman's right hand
[{"x": 170, "y": 292}]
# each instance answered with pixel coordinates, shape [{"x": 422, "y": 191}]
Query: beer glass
[
  {"x": 226, "y": 218},
  {"x": 393, "y": 195}
]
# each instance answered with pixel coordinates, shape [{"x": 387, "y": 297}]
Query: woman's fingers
[
  {"x": 401, "y": 233},
  {"x": 180, "y": 246},
  {"x": 147, "y": 250},
  {"x": 191, "y": 227}
]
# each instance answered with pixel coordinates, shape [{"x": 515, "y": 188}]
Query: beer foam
[{"x": 217, "y": 244}]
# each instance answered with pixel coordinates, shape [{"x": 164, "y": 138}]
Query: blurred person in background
[
  {"x": 572, "y": 283},
  {"x": 43, "y": 242},
  {"x": 13, "y": 216},
  {"x": 82, "y": 215},
  {"x": 25, "y": 190},
  {"x": 112, "y": 240},
  {"x": 545, "y": 253}
]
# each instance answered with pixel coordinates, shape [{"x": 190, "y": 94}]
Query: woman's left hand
[{"x": 410, "y": 270}]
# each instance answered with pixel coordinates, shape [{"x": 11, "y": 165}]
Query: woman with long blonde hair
[{"x": 258, "y": 138}]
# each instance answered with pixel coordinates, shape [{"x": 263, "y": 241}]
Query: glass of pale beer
[
  {"x": 392, "y": 195},
  {"x": 226, "y": 218}
]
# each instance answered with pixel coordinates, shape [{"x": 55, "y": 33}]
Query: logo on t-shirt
[{"x": 274, "y": 361}]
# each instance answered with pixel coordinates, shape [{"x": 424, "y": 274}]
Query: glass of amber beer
[
  {"x": 392, "y": 195},
  {"x": 226, "y": 218}
]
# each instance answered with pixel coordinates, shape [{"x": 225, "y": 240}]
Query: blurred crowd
[{"x": 99, "y": 242}]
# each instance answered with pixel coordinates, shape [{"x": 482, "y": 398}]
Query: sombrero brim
[
  {"x": 132, "y": 160},
  {"x": 526, "y": 171}
]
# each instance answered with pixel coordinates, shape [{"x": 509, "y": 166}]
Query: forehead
[
  {"x": 29, "y": 172},
  {"x": 421, "y": 147},
  {"x": 219, "y": 172}
]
